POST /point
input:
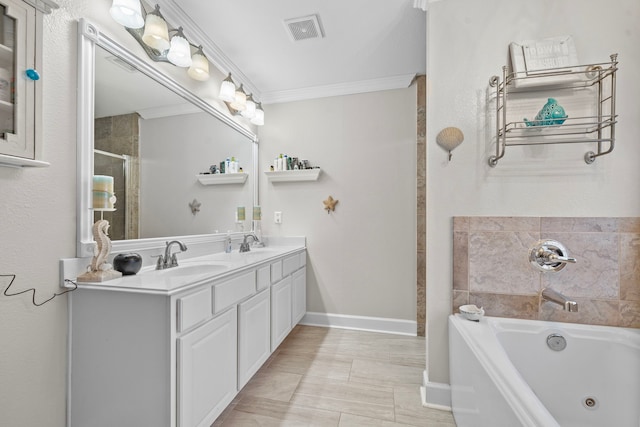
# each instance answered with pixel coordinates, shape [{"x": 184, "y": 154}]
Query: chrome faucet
[
  {"x": 549, "y": 256},
  {"x": 244, "y": 246},
  {"x": 170, "y": 260},
  {"x": 556, "y": 297}
]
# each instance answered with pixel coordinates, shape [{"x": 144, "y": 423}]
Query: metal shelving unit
[{"x": 598, "y": 79}]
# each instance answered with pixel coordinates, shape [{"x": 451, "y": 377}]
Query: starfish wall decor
[{"x": 330, "y": 204}]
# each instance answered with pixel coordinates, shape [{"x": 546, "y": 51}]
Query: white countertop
[{"x": 191, "y": 272}]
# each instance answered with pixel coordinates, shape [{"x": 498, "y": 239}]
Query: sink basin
[{"x": 188, "y": 270}]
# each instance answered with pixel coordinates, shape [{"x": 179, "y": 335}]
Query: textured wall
[
  {"x": 36, "y": 230},
  {"x": 491, "y": 268}
]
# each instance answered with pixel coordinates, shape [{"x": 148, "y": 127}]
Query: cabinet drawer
[
  {"x": 193, "y": 309},
  {"x": 233, "y": 290},
  {"x": 263, "y": 278},
  {"x": 276, "y": 271},
  {"x": 290, "y": 264}
]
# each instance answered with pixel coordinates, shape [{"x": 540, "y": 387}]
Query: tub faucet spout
[{"x": 556, "y": 297}]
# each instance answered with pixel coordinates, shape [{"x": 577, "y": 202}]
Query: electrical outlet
[{"x": 277, "y": 217}]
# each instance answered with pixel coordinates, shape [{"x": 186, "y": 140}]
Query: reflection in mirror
[
  {"x": 144, "y": 133},
  {"x": 154, "y": 145}
]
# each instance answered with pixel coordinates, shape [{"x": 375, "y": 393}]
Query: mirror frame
[{"x": 89, "y": 36}]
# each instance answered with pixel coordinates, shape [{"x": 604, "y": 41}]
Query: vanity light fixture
[
  {"x": 233, "y": 98},
  {"x": 127, "y": 13},
  {"x": 250, "y": 109},
  {"x": 258, "y": 119},
  {"x": 152, "y": 31},
  {"x": 199, "y": 69},
  {"x": 228, "y": 90},
  {"x": 180, "y": 52},
  {"x": 240, "y": 101},
  {"x": 156, "y": 31}
]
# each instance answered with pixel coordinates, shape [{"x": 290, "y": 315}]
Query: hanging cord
[{"x": 33, "y": 290}]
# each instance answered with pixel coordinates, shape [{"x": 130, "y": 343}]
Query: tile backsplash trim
[{"x": 491, "y": 268}]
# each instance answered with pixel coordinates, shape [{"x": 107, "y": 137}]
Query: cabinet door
[
  {"x": 207, "y": 367},
  {"x": 254, "y": 336},
  {"x": 17, "y": 92},
  {"x": 299, "y": 296},
  {"x": 280, "y": 311}
]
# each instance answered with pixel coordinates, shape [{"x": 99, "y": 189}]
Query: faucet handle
[
  {"x": 554, "y": 257},
  {"x": 174, "y": 261},
  {"x": 550, "y": 256},
  {"x": 160, "y": 262}
]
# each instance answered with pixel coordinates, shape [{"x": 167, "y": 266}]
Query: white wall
[
  {"x": 38, "y": 228},
  {"x": 467, "y": 43},
  {"x": 362, "y": 256}
]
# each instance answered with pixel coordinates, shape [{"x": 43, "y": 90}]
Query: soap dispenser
[{"x": 227, "y": 243}]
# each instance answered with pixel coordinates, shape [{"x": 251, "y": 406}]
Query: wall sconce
[{"x": 152, "y": 33}]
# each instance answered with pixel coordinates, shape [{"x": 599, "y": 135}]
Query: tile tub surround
[{"x": 491, "y": 268}]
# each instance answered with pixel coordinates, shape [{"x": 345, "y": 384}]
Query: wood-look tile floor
[{"x": 337, "y": 377}]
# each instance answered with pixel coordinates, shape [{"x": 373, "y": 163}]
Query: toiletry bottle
[
  {"x": 233, "y": 165},
  {"x": 227, "y": 166},
  {"x": 280, "y": 163},
  {"x": 227, "y": 243},
  {"x": 285, "y": 163}
]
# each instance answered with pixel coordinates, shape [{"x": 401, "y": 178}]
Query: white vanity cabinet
[
  {"x": 207, "y": 363},
  {"x": 176, "y": 359},
  {"x": 288, "y": 295},
  {"x": 20, "y": 94},
  {"x": 280, "y": 311},
  {"x": 254, "y": 335}
]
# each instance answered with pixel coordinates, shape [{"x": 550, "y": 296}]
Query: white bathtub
[{"x": 503, "y": 374}]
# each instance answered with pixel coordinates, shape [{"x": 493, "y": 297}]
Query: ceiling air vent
[{"x": 303, "y": 28}]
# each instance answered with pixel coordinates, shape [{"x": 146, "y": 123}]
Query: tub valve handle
[{"x": 550, "y": 255}]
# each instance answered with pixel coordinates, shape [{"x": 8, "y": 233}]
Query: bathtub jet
[{"x": 556, "y": 297}]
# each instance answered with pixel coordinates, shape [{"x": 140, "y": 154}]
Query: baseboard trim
[
  {"x": 435, "y": 395},
  {"x": 361, "y": 323}
]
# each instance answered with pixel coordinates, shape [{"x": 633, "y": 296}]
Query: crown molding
[
  {"x": 176, "y": 16},
  {"x": 338, "y": 89}
]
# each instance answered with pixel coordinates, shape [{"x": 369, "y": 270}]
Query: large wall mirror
[{"x": 153, "y": 137}]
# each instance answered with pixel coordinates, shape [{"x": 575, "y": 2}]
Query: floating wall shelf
[
  {"x": 294, "y": 175},
  {"x": 222, "y": 178}
]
